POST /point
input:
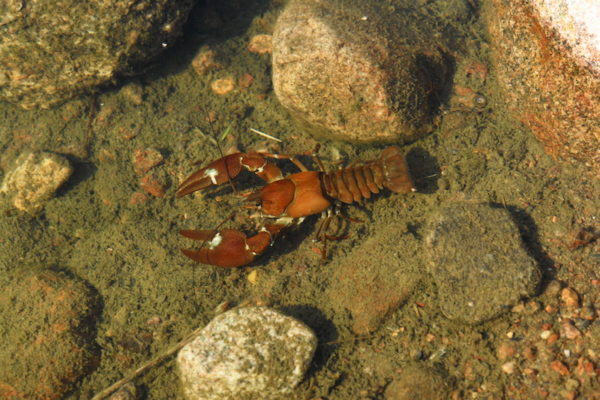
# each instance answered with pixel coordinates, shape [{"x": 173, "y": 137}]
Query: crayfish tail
[{"x": 395, "y": 170}]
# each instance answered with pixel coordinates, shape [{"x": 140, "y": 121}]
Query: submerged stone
[
  {"x": 546, "y": 56},
  {"x": 421, "y": 383},
  {"x": 373, "y": 280},
  {"x": 47, "y": 336},
  {"x": 346, "y": 71},
  {"x": 246, "y": 353},
  {"x": 478, "y": 262},
  {"x": 34, "y": 179},
  {"x": 51, "y": 51}
]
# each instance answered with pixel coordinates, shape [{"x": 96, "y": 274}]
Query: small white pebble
[
  {"x": 510, "y": 334},
  {"x": 508, "y": 367},
  {"x": 545, "y": 334}
]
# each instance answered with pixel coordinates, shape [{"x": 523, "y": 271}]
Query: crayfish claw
[
  {"x": 216, "y": 173},
  {"x": 226, "y": 247},
  {"x": 193, "y": 254},
  {"x": 193, "y": 187},
  {"x": 196, "y": 234}
]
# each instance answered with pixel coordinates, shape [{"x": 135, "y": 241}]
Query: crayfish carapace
[{"x": 285, "y": 201}]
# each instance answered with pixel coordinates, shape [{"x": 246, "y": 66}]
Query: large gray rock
[
  {"x": 356, "y": 71},
  {"x": 478, "y": 262},
  {"x": 53, "y": 50},
  {"x": 246, "y": 353}
]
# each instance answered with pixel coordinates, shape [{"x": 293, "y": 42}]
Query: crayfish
[{"x": 286, "y": 201}]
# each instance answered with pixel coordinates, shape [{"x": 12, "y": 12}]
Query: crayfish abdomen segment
[{"x": 359, "y": 182}]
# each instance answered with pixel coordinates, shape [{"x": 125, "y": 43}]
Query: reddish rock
[
  {"x": 371, "y": 281},
  {"x": 569, "y": 297},
  {"x": 584, "y": 368},
  {"x": 568, "y": 330},
  {"x": 152, "y": 185},
  {"x": 48, "y": 344},
  {"x": 146, "y": 159},
  {"x": 245, "y": 81},
  {"x": 546, "y": 87},
  {"x": 137, "y": 198},
  {"x": 205, "y": 60},
  {"x": 506, "y": 350},
  {"x": 341, "y": 73},
  {"x": 552, "y": 337},
  {"x": 261, "y": 44},
  {"x": 559, "y": 367}
]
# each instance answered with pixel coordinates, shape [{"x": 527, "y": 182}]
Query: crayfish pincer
[{"x": 286, "y": 201}]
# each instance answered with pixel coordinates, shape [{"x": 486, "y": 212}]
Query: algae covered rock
[
  {"x": 356, "y": 71},
  {"x": 478, "y": 262},
  {"x": 374, "y": 280},
  {"x": 47, "y": 335},
  {"x": 416, "y": 382},
  {"x": 247, "y": 353},
  {"x": 53, "y": 50}
]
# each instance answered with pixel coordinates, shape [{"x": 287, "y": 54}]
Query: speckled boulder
[
  {"x": 545, "y": 64},
  {"x": 34, "y": 178},
  {"x": 246, "y": 353},
  {"x": 47, "y": 334},
  {"x": 51, "y": 51},
  {"x": 356, "y": 71},
  {"x": 478, "y": 261}
]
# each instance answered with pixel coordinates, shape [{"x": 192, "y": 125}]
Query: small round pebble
[
  {"x": 569, "y": 297},
  {"x": 246, "y": 353},
  {"x": 223, "y": 86},
  {"x": 261, "y": 44}
]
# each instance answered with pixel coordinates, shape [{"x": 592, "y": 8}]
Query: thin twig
[
  {"x": 266, "y": 135},
  {"x": 155, "y": 361}
]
